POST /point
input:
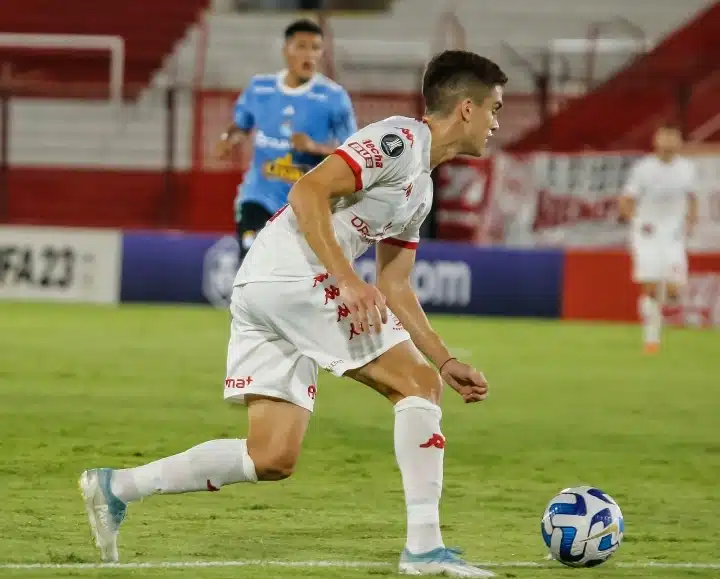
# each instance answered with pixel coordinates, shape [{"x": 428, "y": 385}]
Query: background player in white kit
[
  {"x": 659, "y": 201},
  {"x": 298, "y": 305}
]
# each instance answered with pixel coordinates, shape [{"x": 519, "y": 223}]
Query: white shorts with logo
[
  {"x": 659, "y": 261},
  {"x": 283, "y": 332}
]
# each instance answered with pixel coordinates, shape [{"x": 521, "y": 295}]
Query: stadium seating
[
  {"x": 409, "y": 34},
  {"x": 149, "y": 29},
  {"x": 704, "y": 119},
  {"x": 378, "y": 52},
  {"x": 623, "y": 111},
  {"x": 386, "y": 52}
]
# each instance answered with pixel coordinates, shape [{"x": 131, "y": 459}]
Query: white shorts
[
  {"x": 282, "y": 332},
  {"x": 655, "y": 262}
]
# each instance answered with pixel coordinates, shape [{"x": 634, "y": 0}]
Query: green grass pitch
[{"x": 570, "y": 403}]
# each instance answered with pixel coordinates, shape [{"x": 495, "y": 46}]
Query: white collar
[{"x": 285, "y": 89}]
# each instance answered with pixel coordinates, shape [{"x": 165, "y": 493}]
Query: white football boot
[
  {"x": 440, "y": 561},
  {"x": 105, "y": 511}
]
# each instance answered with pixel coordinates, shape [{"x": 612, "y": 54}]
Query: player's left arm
[
  {"x": 243, "y": 123},
  {"x": 631, "y": 189},
  {"x": 395, "y": 261},
  {"x": 304, "y": 144},
  {"x": 692, "y": 213},
  {"x": 342, "y": 125},
  {"x": 693, "y": 210}
]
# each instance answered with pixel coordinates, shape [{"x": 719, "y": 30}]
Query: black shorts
[{"x": 253, "y": 218}]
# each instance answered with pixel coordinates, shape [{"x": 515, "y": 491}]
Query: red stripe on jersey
[
  {"x": 400, "y": 243},
  {"x": 354, "y": 166}
]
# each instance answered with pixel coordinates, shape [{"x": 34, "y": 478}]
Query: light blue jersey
[{"x": 320, "y": 108}]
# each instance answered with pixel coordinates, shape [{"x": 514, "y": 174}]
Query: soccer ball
[{"x": 582, "y": 527}]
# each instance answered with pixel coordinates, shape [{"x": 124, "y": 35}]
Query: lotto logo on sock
[{"x": 435, "y": 441}]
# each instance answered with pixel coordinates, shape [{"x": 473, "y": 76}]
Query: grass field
[{"x": 570, "y": 404}]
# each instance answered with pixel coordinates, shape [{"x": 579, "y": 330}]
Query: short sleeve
[
  {"x": 410, "y": 237},
  {"x": 376, "y": 156},
  {"x": 634, "y": 183},
  {"x": 343, "y": 122},
  {"x": 242, "y": 114}
]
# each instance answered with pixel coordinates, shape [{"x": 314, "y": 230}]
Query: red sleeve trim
[
  {"x": 400, "y": 243},
  {"x": 354, "y": 166}
]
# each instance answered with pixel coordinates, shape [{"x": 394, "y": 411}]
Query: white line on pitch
[{"x": 346, "y": 564}]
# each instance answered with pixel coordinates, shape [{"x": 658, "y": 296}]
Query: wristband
[{"x": 445, "y": 362}]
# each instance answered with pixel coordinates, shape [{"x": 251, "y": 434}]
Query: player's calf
[
  {"x": 404, "y": 377},
  {"x": 274, "y": 467},
  {"x": 672, "y": 293},
  {"x": 650, "y": 311}
]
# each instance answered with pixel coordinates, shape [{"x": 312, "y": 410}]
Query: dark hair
[
  {"x": 456, "y": 74},
  {"x": 303, "y": 25}
]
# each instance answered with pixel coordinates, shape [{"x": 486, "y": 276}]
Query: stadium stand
[
  {"x": 122, "y": 153},
  {"x": 80, "y": 74},
  {"x": 643, "y": 94},
  {"x": 87, "y": 134}
]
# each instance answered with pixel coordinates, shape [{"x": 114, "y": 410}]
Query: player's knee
[
  {"x": 274, "y": 465},
  {"x": 424, "y": 382},
  {"x": 650, "y": 290},
  {"x": 673, "y": 292}
]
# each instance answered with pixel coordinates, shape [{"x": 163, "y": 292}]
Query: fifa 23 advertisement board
[{"x": 60, "y": 264}]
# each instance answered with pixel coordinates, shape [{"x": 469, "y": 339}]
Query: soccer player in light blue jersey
[{"x": 297, "y": 117}]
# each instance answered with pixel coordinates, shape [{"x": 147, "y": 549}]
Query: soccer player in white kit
[
  {"x": 298, "y": 305},
  {"x": 659, "y": 201}
]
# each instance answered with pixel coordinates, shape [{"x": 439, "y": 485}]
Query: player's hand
[
  {"x": 224, "y": 149},
  {"x": 366, "y": 304},
  {"x": 465, "y": 380},
  {"x": 302, "y": 143}
]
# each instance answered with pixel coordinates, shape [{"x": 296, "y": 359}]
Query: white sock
[
  {"x": 205, "y": 467},
  {"x": 651, "y": 316},
  {"x": 419, "y": 449}
]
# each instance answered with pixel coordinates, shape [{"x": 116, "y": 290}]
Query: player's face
[
  {"x": 303, "y": 51},
  {"x": 667, "y": 141},
  {"x": 482, "y": 122}
]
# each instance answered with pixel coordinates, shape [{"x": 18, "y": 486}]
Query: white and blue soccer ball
[{"x": 582, "y": 527}]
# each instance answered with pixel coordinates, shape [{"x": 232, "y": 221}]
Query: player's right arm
[
  {"x": 243, "y": 123},
  {"x": 693, "y": 210},
  {"x": 632, "y": 188},
  {"x": 626, "y": 207},
  {"x": 311, "y": 198}
]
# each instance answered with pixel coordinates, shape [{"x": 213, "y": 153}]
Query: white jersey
[
  {"x": 391, "y": 163},
  {"x": 661, "y": 192}
]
